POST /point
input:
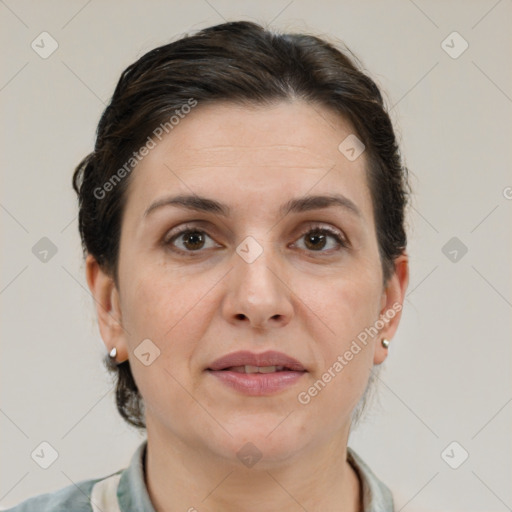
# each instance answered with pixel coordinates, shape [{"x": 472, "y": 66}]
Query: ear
[
  {"x": 108, "y": 309},
  {"x": 393, "y": 297}
]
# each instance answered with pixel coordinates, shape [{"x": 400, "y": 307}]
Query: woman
[{"x": 242, "y": 218}]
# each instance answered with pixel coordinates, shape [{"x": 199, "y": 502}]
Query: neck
[{"x": 180, "y": 478}]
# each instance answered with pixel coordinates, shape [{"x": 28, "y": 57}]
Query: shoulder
[
  {"x": 376, "y": 496},
  {"x": 72, "y": 498}
]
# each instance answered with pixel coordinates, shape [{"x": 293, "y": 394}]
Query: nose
[{"x": 258, "y": 293}]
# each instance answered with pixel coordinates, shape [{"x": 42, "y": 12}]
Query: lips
[
  {"x": 256, "y": 369},
  {"x": 250, "y": 362},
  {"x": 257, "y": 375}
]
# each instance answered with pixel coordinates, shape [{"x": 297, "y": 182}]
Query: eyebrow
[{"x": 298, "y": 205}]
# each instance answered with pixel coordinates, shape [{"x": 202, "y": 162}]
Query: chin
[{"x": 263, "y": 444}]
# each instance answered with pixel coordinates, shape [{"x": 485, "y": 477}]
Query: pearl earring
[{"x": 385, "y": 343}]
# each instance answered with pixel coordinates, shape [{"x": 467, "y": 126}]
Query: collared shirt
[{"x": 126, "y": 491}]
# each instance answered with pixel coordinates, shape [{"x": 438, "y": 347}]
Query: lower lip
[{"x": 258, "y": 384}]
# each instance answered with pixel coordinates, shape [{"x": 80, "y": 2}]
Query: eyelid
[
  {"x": 193, "y": 225},
  {"x": 198, "y": 226},
  {"x": 343, "y": 240}
]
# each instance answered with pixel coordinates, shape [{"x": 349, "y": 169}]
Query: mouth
[
  {"x": 257, "y": 369},
  {"x": 257, "y": 374},
  {"x": 251, "y": 362}
]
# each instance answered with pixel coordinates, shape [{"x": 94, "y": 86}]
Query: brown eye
[
  {"x": 189, "y": 240},
  {"x": 194, "y": 238},
  {"x": 317, "y": 239}
]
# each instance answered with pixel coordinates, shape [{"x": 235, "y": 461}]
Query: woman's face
[{"x": 255, "y": 278}]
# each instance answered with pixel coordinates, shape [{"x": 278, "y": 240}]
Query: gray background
[{"x": 448, "y": 375}]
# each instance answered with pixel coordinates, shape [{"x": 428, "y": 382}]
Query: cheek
[
  {"x": 156, "y": 299},
  {"x": 357, "y": 305},
  {"x": 348, "y": 307},
  {"x": 157, "y": 307},
  {"x": 170, "y": 310},
  {"x": 346, "y": 303}
]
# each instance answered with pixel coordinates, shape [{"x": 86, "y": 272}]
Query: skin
[{"x": 308, "y": 301}]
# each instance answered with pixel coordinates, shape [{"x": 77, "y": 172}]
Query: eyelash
[{"x": 322, "y": 230}]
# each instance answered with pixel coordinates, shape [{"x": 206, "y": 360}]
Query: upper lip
[{"x": 244, "y": 357}]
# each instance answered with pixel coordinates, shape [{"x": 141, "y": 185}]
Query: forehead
[
  {"x": 240, "y": 153},
  {"x": 288, "y": 132}
]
